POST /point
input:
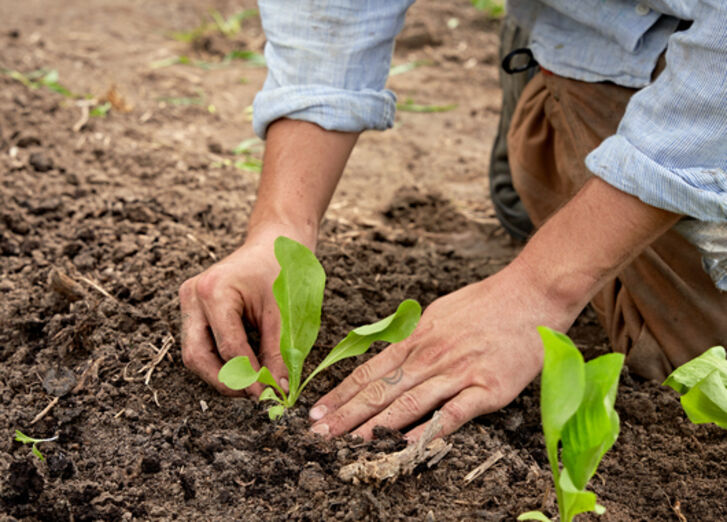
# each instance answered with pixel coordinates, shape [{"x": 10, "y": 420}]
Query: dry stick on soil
[
  {"x": 479, "y": 470},
  {"x": 45, "y": 410},
  {"x": 403, "y": 462},
  {"x": 204, "y": 247}
]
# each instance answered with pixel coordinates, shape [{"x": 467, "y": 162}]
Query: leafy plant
[
  {"x": 576, "y": 402},
  {"x": 21, "y": 437},
  {"x": 298, "y": 290},
  {"x": 702, "y": 383}
]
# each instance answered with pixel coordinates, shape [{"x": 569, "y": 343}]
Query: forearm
[
  {"x": 588, "y": 241},
  {"x": 301, "y": 168}
]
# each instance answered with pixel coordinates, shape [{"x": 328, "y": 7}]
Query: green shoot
[
  {"x": 100, "y": 111},
  {"x": 298, "y": 290},
  {"x": 251, "y": 57},
  {"x": 492, "y": 8},
  {"x": 702, "y": 383},
  {"x": 229, "y": 26},
  {"x": 410, "y": 106},
  {"x": 42, "y": 78},
  {"x": 408, "y": 66},
  {"x": 21, "y": 437},
  {"x": 576, "y": 402}
]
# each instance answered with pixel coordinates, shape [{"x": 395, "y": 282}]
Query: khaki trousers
[{"x": 663, "y": 309}]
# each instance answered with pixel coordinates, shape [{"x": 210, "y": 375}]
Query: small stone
[
  {"x": 203, "y": 406},
  {"x": 59, "y": 381},
  {"x": 27, "y": 141},
  {"x": 123, "y": 250},
  {"x": 40, "y": 162},
  {"x": 131, "y": 414},
  {"x": 150, "y": 465},
  {"x": 6, "y": 285}
]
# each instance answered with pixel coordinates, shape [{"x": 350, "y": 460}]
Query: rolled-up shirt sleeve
[
  {"x": 328, "y": 61},
  {"x": 670, "y": 149}
]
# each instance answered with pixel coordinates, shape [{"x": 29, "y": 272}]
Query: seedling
[
  {"x": 576, "y": 403},
  {"x": 702, "y": 384},
  {"x": 492, "y": 8},
  {"x": 410, "y": 106},
  {"x": 298, "y": 290},
  {"x": 21, "y": 437}
]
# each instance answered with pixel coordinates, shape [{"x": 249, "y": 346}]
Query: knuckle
[
  {"x": 409, "y": 402},
  {"x": 207, "y": 285},
  {"x": 432, "y": 354},
  {"x": 455, "y": 412},
  {"x": 374, "y": 395},
  {"x": 361, "y": 376}
]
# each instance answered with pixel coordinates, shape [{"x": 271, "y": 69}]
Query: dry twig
[
  {"x": 403, "y": 462},
  {"x": 487, "y": 464},
  {"x": 45, "y": 410}
]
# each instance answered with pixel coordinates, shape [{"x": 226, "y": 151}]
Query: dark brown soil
[{"x": 132, "y": 204}]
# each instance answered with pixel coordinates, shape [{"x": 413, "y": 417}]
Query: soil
[{"x": 101, "y": 221}]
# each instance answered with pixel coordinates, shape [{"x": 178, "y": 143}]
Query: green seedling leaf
[
  {"x": 275, "y": 412},
  {"x": 575, "y": 501},
  {"x": 594, "y": 427},
  {"x": 576, "y": 402},
  {"x": 410, "y": 106},
  {"x": 238, "y": 374},
  {"x": 100, "y": 111},
  {"x": 21, "y": 437},
  {"x": 251, "y": 57},
  {"x": 563, "y": 363},
  {"x": 534, "y": 515},
  {"x": 247, "y": 146},
  {"x": 707, "y": 401},
  {"x": 298, "y": 290},
  {"x": 493, "y": 8},
  {"x": 392, "y": 329},
  {"x": 408, "y": 66},
  {"x": 689, "y": 374},
  {"x": 249, "y": 165},
  {"x": 268, "y": 394}
]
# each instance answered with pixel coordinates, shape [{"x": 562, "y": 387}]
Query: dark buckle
[{"x": 507, "y": 67}]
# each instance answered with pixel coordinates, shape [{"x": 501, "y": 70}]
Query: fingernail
[
  {"x": 317, "y": 413},
  {"x": 284, "y": 385},
  {"x": 321, "y": 429}
]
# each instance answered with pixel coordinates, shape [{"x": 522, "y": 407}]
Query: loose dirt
[{"x": 101, "y": 221}]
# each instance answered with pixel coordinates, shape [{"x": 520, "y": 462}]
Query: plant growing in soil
[
  {"x": 298, "y": 290},
  {"x": 702, "y": 384},
  {"x": 576, "y": 402},
  {"x": 22, "y": 437}
]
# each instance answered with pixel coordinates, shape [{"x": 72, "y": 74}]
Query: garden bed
[{"x": 100, "y": 224}]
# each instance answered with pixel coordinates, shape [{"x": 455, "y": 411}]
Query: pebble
[
  {"x": 6, "y": 285},
  {"x": 40, "y": 162}
]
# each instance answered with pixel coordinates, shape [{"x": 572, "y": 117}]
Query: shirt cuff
[
  {"x": 328, "y": 107},
  {"x": 697, "y": 192}
]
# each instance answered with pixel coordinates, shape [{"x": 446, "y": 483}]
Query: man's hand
[
  {"x": 473, "y": 352},
  {"x": 477, "y": 348},
  {"x": 301, "y": 167},
  {"x": 213, "y": 304}
]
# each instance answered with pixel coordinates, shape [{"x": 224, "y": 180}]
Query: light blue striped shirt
[{"x": 328, "y": 64}]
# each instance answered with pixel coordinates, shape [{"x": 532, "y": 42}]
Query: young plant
[
  {"x": 21, "y": 437},
  {"x": 298, "y": 290},
  {"x": 576, "y": 403},
  {"x": 702, "y": 383}
]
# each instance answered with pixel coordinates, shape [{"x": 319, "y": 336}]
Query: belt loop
[{"x": 509, "y": 69}]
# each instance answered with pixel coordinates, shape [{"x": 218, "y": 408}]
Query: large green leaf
[
  {"x": 298, "y": 290},
  {"x": 594, "y": 427},
  {"x": 707, "y": 401},
  {"x": 562, "y": 388},
  {"x": 238, "y": 374},
  {"x": 689, "y": 374},
  {"x": 394, "y": 328}
]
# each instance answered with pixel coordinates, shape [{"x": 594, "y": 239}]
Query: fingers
[
  {"x": 204, "y": 306},
  {"x": 379, "y": 366},
  {"x": 198, "y": 350},
  {"x": 465, "y": 406},
  {"x": 411, "y": 405}
]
